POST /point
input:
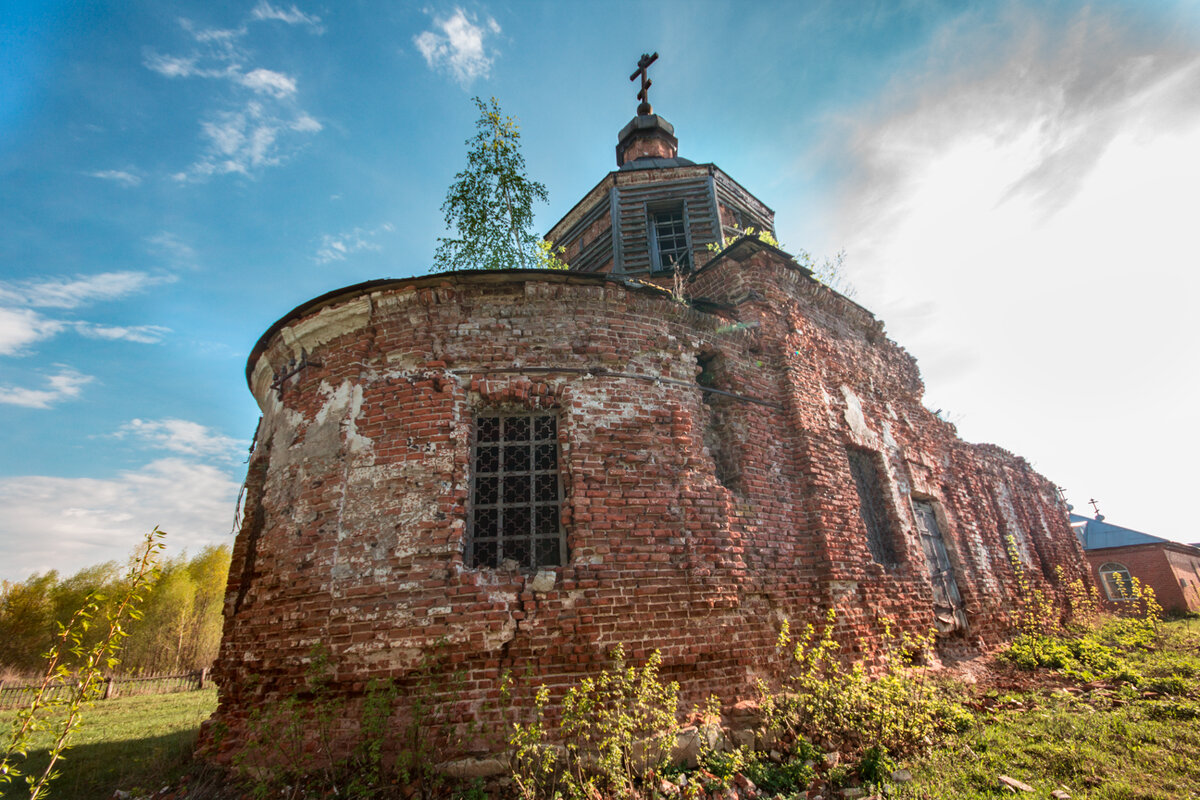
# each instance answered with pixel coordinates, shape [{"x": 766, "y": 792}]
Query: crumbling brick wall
[{"x": 707, "y": 491}]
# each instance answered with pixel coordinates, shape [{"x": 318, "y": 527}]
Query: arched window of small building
[
  {"x": 516, "y": 491},
  {"x": 1118, "y": 583}
]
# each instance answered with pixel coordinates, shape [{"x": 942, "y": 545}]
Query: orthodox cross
[
  {"x": 1095, "y": 507},
  {"x": 643, "y": 62}
]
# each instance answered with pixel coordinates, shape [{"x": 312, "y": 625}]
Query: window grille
[
  {"x": 670, "y": 236},
  {"x": 871, "y": 505},
  {"x": 516, "y": 492}
]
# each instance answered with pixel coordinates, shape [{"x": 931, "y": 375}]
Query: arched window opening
[{"x": 1118, "y": 583}]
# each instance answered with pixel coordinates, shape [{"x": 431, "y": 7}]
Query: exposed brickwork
[
  {"x": 1171, "y": 570},
  {"x": 696, "y": 520}
]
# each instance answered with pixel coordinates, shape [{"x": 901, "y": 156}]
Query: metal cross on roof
[{"x": 643, "y": 62}]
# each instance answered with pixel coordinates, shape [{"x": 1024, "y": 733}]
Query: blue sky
[{"x": 1013, "y": 184}]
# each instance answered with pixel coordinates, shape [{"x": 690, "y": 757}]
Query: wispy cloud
[
  {"x": 118, "y": 176},
  {"x": 261, "y": 124},
  {"x": 265, "y": 81},
  {"x": 68, "y": 523},
  {"x": 183, "y": 437},
  {"x": 457, "y": 45},
  {"x": 21, "y": 325},
  {"x": 1059, "y": 93},
  {"x": 337, "y": 247},
  {"x": 77, "y": 291},
  {"x": 65, "y": 384},
  {"x": 144, "y": 334},
  {"x": 169, "y": 246},
  {"x": 264, "y": 11}
]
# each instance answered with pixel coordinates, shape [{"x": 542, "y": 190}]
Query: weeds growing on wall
[
  {"x": 616, "y": 728},
  {"x": 821, "y": 695},
  {"x": 91, "y": 656},
  {"x": 295, "y": 744},
  {"x": 1073, "y": 636}
]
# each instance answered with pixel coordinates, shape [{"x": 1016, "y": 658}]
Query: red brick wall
[
  {"x": 1162, "y": 567},
  {"x": 356, "y": 500}
]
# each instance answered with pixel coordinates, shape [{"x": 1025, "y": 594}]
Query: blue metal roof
[{"x": 1096, "y": 534}]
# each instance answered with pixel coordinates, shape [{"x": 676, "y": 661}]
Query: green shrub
[
  {"x": 616, "y": 727},
  {"x": 819, "y": 695}
]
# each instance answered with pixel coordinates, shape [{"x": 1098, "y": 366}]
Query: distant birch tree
[{"x": 490, "y": 203}]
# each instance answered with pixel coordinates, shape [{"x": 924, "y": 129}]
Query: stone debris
[{"x": 1013, "y": 785}]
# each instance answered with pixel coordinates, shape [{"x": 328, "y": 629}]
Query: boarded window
[
  {"x": 723, "y": 425},
  {"x": 516, "y": 492},
  {"x": 865, "y": 469},
  {"x": 670, "y": 239}
]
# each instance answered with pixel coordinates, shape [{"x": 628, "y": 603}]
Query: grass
[
  {"x": 137, "y": 744},
  {"x": 1101, "y": 740},
  {"x": 1131, "y": 735}
]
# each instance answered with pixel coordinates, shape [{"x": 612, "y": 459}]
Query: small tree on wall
[{"x": 490, "y": 203}]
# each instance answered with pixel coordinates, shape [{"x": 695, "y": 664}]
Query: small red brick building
[
  {"x": 665, "y": 447},
  {"x": 1117, "y": 555}
]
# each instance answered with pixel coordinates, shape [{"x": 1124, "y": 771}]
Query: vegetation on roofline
[{"x": 829, "y": 270}]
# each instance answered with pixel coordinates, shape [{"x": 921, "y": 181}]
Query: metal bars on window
[
  {"x": 516, "y": 491},
  {"x": 670, "y": 234}
]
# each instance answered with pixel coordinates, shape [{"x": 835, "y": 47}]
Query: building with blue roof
[{"x": 1118, "y": 555}]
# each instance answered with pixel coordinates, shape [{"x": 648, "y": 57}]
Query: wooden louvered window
[{"x": 516, "y": 492}]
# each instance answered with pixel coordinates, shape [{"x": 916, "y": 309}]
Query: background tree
[
  {"x": 179, "y": 628},
  {"x": 490, "y": 203}
]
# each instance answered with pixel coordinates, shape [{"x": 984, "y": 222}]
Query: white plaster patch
[
  {"x": 854, "y": 415},
  {"x": 492, "y": 640},
  {"x": 326, "y": 325}
]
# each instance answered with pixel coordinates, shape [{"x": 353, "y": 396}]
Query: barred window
[
  {"x": 516, "y": 491},
  {"x": 670, "y": 238},
  {"x": 871, "y": 505}
]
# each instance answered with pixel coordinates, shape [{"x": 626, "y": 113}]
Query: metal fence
[{"x": 18, "y": 696}]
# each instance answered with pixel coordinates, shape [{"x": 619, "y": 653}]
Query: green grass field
[
  {"x": 1099, "y": 739},
  {"x": 136, "y": 744}
]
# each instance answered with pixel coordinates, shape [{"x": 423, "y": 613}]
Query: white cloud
[
  {"x": 337, "y": 247},
  {"x": 265, "y": 81},
  {"x": 172, "y": 248},
  {"x": 258, "y": 124},
  {"x": 66, "y": 384},
  {"x": 245, "y": 141},
  {"x": 144, "y": 334},
  {"x": 459, "y": 47},
  {"x": 171, "y": 66},
  {"x": 68, "y": 523},
  {"x": 119, "y": 176},
  {"x": 264, "y": 11},
  {"x": 183, "y": 437},
  {"x": 1024, "y": 228},
  {"x": 21, "y": 327},
  {"x": 77, "y": 291}
]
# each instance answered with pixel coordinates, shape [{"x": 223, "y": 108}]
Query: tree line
[{"x": 180, "y": 627}]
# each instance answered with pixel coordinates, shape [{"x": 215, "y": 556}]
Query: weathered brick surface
[{"x": 696, "y": 521}]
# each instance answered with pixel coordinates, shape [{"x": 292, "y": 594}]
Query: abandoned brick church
[{"x": 667, "y": 446}]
